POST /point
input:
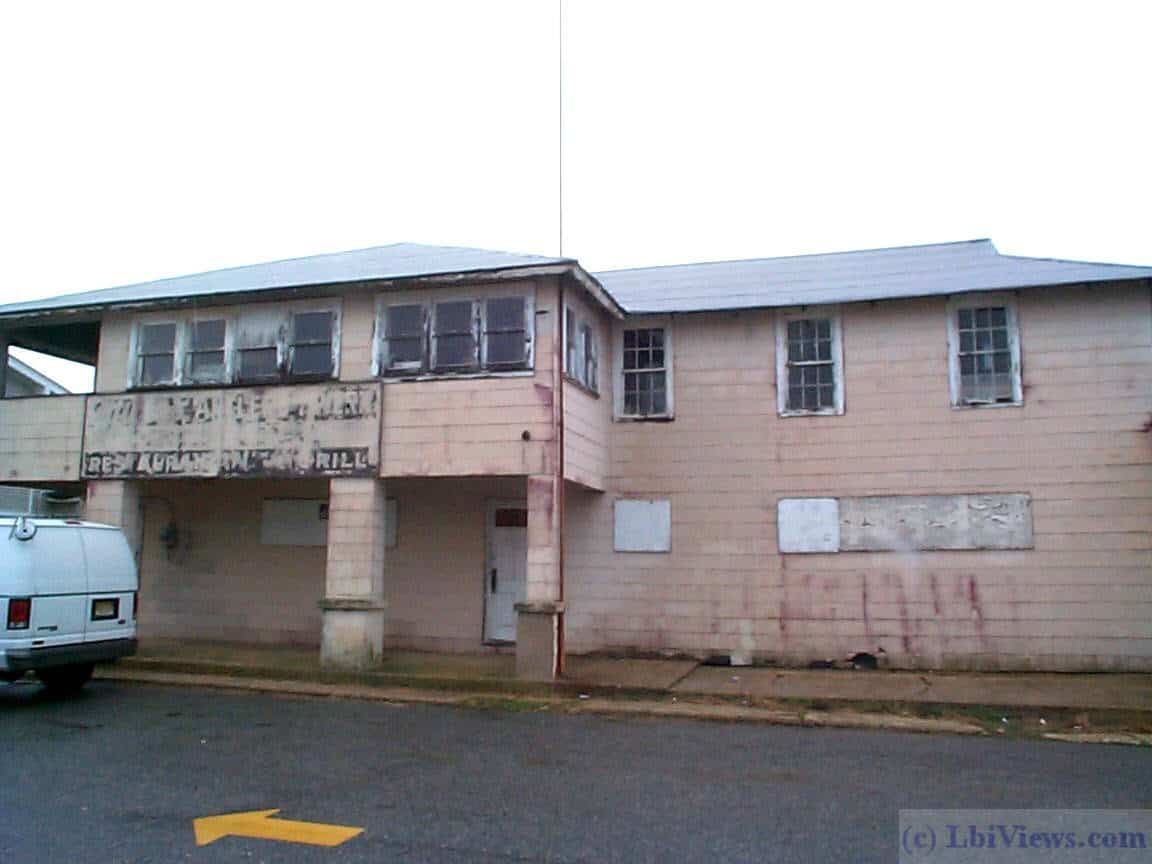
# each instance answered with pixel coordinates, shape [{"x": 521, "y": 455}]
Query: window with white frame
[
  {"x": 645, "y": 373},
  {"x": 582, "y": 353},
  {"x": 456, "y": 336},
  {"x": 505, "y": 344},
  {"x": 454, "y": 340},
  {"x": 257, "y": 345},
  {"x": 591, "y": 365},
  {"x": 809, "y": 365},
  {"x": 310, "y": 354},
  {"x": 156, "y": 354},
  {"x": 404, "y": 338},
  {"x": 984, "y": 352},
  {"x": 257, "y": 356},
  {"x": 206, "y": 357}
]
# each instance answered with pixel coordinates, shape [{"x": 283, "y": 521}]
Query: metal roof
[
  {"x": 846, "y": 277},
  {"x": 18, "y": 367},
  {"x": 397, "y": 261}
]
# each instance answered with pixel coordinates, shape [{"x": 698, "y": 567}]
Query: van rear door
[
  {"x": 112, "y": 585},
  {"x": 51, "y": 566}
]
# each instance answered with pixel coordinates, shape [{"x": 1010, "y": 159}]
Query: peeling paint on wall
[
  {"x": 900, "y": 523},
  {"x": 905, "y": 523},
  {"x": 325, "y": 430}
]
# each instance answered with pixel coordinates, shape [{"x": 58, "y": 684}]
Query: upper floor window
[
  {"x": 984, "y": 353},
  {"x": 258, "y": 354},
  {"x": 156, "y": 354},
  {"x": 206, "y": 357},
  {"x": 582, "y": 353},
  {"x": 456, "y": 336},
  {"x": 258, "y": 345},
  {"x": 404, "y": 337},
  {"x": 809, "y": 361},
  {"x": 645, "y": 370},
  {"x": 311, "y": 351},
  {"x": 505, "y": 344}
]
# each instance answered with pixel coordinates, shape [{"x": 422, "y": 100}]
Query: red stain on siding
[
  {"x": 905, "y": 624},
  {"x": 974, "y": 602},
  {"x": 864, "y": 604},
  {"x": 935, "y": 594}
]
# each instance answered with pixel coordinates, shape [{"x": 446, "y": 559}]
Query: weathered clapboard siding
[
  {"x": 476, "y": 426},
  {"x": 458, "y": 426},
  {"x": 588, "y": 416},
  {"x": 41, "y": 438},
  {"x": 434, "y": 577},
  {"x": 1082, "y": 599},
  {"x": 220, "y": 582}
]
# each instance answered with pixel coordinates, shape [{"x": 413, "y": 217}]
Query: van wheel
[{"x": 65, "y": 680}]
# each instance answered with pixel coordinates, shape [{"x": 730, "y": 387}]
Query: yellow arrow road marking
[{"x": 259, "y": 824}]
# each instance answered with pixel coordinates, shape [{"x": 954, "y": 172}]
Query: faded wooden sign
[
  {"x": 915, "y": 522},
  {"x": 326, "y": 430},
  {"x": 905, "y": 523}
]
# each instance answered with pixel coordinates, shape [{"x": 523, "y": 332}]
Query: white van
[{"x": 67, "y": 599}]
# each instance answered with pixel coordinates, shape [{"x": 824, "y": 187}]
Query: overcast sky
[{"x": 148, "y": 139}]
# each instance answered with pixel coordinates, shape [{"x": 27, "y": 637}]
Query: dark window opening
[
  {"x": 206, "y": 361},
  {"x": 311, "y": 351},
  {"x": 811, "y": 365},
  {"x": 645, "y": 373},
  {"x": 505, "y": 333},
  {"x": 157, "y": 354},
  {"x": 455, "y": 335},
  {"x": 404, "y": 335},
  {"x": 985, "y": 356}
]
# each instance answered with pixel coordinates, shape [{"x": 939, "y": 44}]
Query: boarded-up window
[
  {"x": 311, "y": 351},
  {"x": 304, "y": 522},
  {"x": 206, "y": 358},
  {"x": 505, "y": 343},
  {"x": 454, "y": 335},
  {"x": 645, "y": 373},
  {"x": 808, "y": 525},
  {"x": 156, "y": 354},
  {"x": 643, "y": 525}
]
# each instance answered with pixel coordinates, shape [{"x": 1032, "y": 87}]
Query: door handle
[{"x": 493, "y": 580}]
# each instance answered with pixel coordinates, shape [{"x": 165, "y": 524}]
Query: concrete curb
[{"x": 721, "y": 712}]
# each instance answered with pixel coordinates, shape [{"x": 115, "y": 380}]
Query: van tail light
[{"x": 19, "y": 613}]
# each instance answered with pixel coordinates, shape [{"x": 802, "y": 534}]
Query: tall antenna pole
[{"x": 560, "y": 118}]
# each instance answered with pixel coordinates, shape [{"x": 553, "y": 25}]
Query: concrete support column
[
  {"x": 353, "y": 604},
  {"x": 116, "y": 502},
  {"x": 539, "y": 618}
]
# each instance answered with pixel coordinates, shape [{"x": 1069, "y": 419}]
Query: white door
[{"x": 506, "y": 570}]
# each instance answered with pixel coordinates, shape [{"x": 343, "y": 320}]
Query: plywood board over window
[
  {"x": 643, "y": 525},
  {"x": 304, "y": 522}
]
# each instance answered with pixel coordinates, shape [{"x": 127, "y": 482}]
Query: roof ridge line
[{"x": 987, "y": 240}]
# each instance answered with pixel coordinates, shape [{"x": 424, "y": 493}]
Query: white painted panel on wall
[
  {"x": 304, "y": 522},
  {"x": 294, "y": 522},
  {"x": 643, "y": 525},
  {"x": 808, "y": 525}
]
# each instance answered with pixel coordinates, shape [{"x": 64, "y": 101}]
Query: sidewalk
[{"x": 1069, "y": 706}]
